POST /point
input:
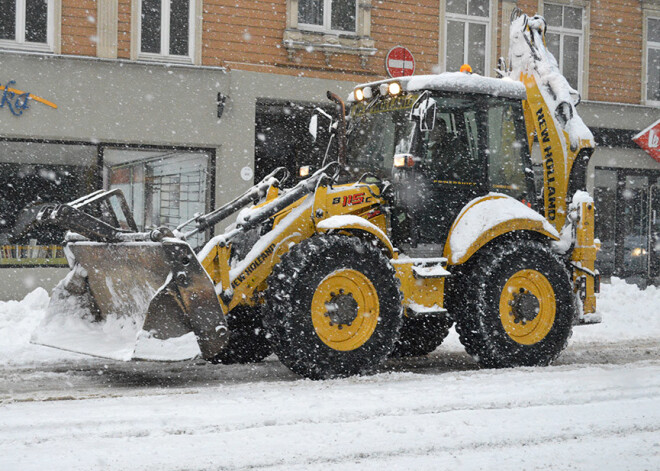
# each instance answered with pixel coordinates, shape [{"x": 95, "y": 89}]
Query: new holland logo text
[
  {"x": 548, "y": 164},
  {"x": 253, "y": 266}
]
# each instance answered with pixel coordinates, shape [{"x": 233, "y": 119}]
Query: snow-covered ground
[{"x": 598, "y": 407}]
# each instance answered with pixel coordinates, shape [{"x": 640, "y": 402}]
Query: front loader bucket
[{"x": 134, "y": 300}]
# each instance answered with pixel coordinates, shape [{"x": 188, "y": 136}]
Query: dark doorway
[
  {"x": 282, "y": 137},
  {"x": 627, "y": 224}
]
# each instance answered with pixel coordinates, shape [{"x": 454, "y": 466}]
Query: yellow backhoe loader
[{"x": 429, "y": 216}]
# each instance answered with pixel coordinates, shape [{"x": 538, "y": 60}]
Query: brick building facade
[{"x": 184, "y": 103}]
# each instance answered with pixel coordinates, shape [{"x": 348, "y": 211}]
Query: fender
[
  {"x": 488, "y": 217},
  {"x": 353, "y": 223}
]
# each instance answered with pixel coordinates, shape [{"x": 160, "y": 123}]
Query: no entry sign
[
  {"x": 400, "y": 62},
  {"x": 649, "y": 140}
]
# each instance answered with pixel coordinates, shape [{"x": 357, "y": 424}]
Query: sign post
[{"x": 399, "y": 62}]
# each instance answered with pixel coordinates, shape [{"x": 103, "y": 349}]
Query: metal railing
[{"x": 32, "y": 255}]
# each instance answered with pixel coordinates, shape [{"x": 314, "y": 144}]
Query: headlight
[
  {"x": 403, "y": 160},
  {"x": 394, "y": 88},
  {"x": 359, "y": 94}
]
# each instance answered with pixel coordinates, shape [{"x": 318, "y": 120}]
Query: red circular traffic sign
[{"x": 400, "y": 62}]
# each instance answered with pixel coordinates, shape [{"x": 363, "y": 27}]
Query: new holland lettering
[
  {"x": 549, "y": 166},
  {"x": 253, "y": 266}
]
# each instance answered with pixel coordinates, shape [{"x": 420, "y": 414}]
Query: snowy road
[{"x": 597, "y": 407}]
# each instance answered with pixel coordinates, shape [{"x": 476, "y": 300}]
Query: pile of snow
[
  {"x": 528, "y": 55},
  {"x": 628, "y": 313},
  {"x": 18, "y": 320}
]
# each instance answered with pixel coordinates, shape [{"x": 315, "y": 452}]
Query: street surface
[{"x": 596, "y": 408}]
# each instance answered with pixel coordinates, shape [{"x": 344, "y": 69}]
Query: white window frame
[
  {"x": 299, "y": 39},
  {"x": 648, "y": 45},
  {"x": 165, "y": 33},
  {"x": 54, "y": 6},
  {"x": 327, "y": 21},
  {"x": 491, "y": 35},
  {"x": 468, "y": 19},
  {"x": 563, "y": 31},
  {"x": 583, "y": 63}
]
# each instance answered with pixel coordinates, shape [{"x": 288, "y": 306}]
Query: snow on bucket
[{"x": 134, "y": 300}]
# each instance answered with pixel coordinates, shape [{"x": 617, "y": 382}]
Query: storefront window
[
  {"x": 31, "y": 174},
  {"x": 635, "y": 220},
  {"x": 627, "y": 223},
  {"x": 162, "y": 187},
  {"x": 282, "y": 137},
  {"x": 605, "y": 199}
]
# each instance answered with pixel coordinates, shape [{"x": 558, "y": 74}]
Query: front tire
[
  {"x": 334, "y": 307},
  {"x": 515, "y": 305}
]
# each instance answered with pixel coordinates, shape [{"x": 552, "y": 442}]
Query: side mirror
[
  {"x": 427, "y": 115},
  {"x": 424, "y": 109},
  {"x": 314, "y": 126}
]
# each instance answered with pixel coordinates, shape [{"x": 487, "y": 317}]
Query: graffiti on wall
[{"x": 18, "y": 101}]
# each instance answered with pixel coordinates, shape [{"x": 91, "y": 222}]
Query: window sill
[
  {"x": 328, "y": 43},
  {"x": 29, "y": 47},
  {"x": 147, "y": 57}
]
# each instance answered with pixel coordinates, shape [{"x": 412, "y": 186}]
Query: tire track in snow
[{"x": 490, "y": 398}]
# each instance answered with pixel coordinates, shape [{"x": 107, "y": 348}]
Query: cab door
[
  {"x": 452, "y": 167},
  {"x": 509, "y": 163}
]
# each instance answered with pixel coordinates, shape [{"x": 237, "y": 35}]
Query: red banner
[{"x": 649, "y": 140}]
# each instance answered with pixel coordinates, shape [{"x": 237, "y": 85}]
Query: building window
[
  {"x": 565, "y": 39},
  {"x": 330, "y": 27},
  {"x": 653, "y": 60},
  {"x": 328, "y": 15},
  {"x": 162, "y": 187},
  {"x": 467, "y": 35},
  {"x": 27, "y": 24},
  {"x": 31, "y": 174},
  {"x": 166, "y": 29}
]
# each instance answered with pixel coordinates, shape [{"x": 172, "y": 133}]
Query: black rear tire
[
  {"x": 334, "y": 307},
  {"x": 248, "y": 342},
  {"x": 514, "y": 305},
  {"x": 421, "y": 335}
]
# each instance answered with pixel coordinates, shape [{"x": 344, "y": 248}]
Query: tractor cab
[{"x": 442, "y": 141}]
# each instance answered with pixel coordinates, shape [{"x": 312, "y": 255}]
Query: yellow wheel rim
[
  {"x": 527, "y": 307},
  {"x": 345, "y": 310}
]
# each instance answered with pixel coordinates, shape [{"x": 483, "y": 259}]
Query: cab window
[
  {"x": 450, "y": 152},
  {"x": 506, "y": 150}
]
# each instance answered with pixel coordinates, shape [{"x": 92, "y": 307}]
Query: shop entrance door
[
  {"x": 633, "y": 228},
  {"x": 628, "y": 224},
  {"x": 654, "y": 234},
  {"x": 282, "y": 138}
]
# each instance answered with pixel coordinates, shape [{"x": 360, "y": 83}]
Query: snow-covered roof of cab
[{"x": 456, "y": 82}]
